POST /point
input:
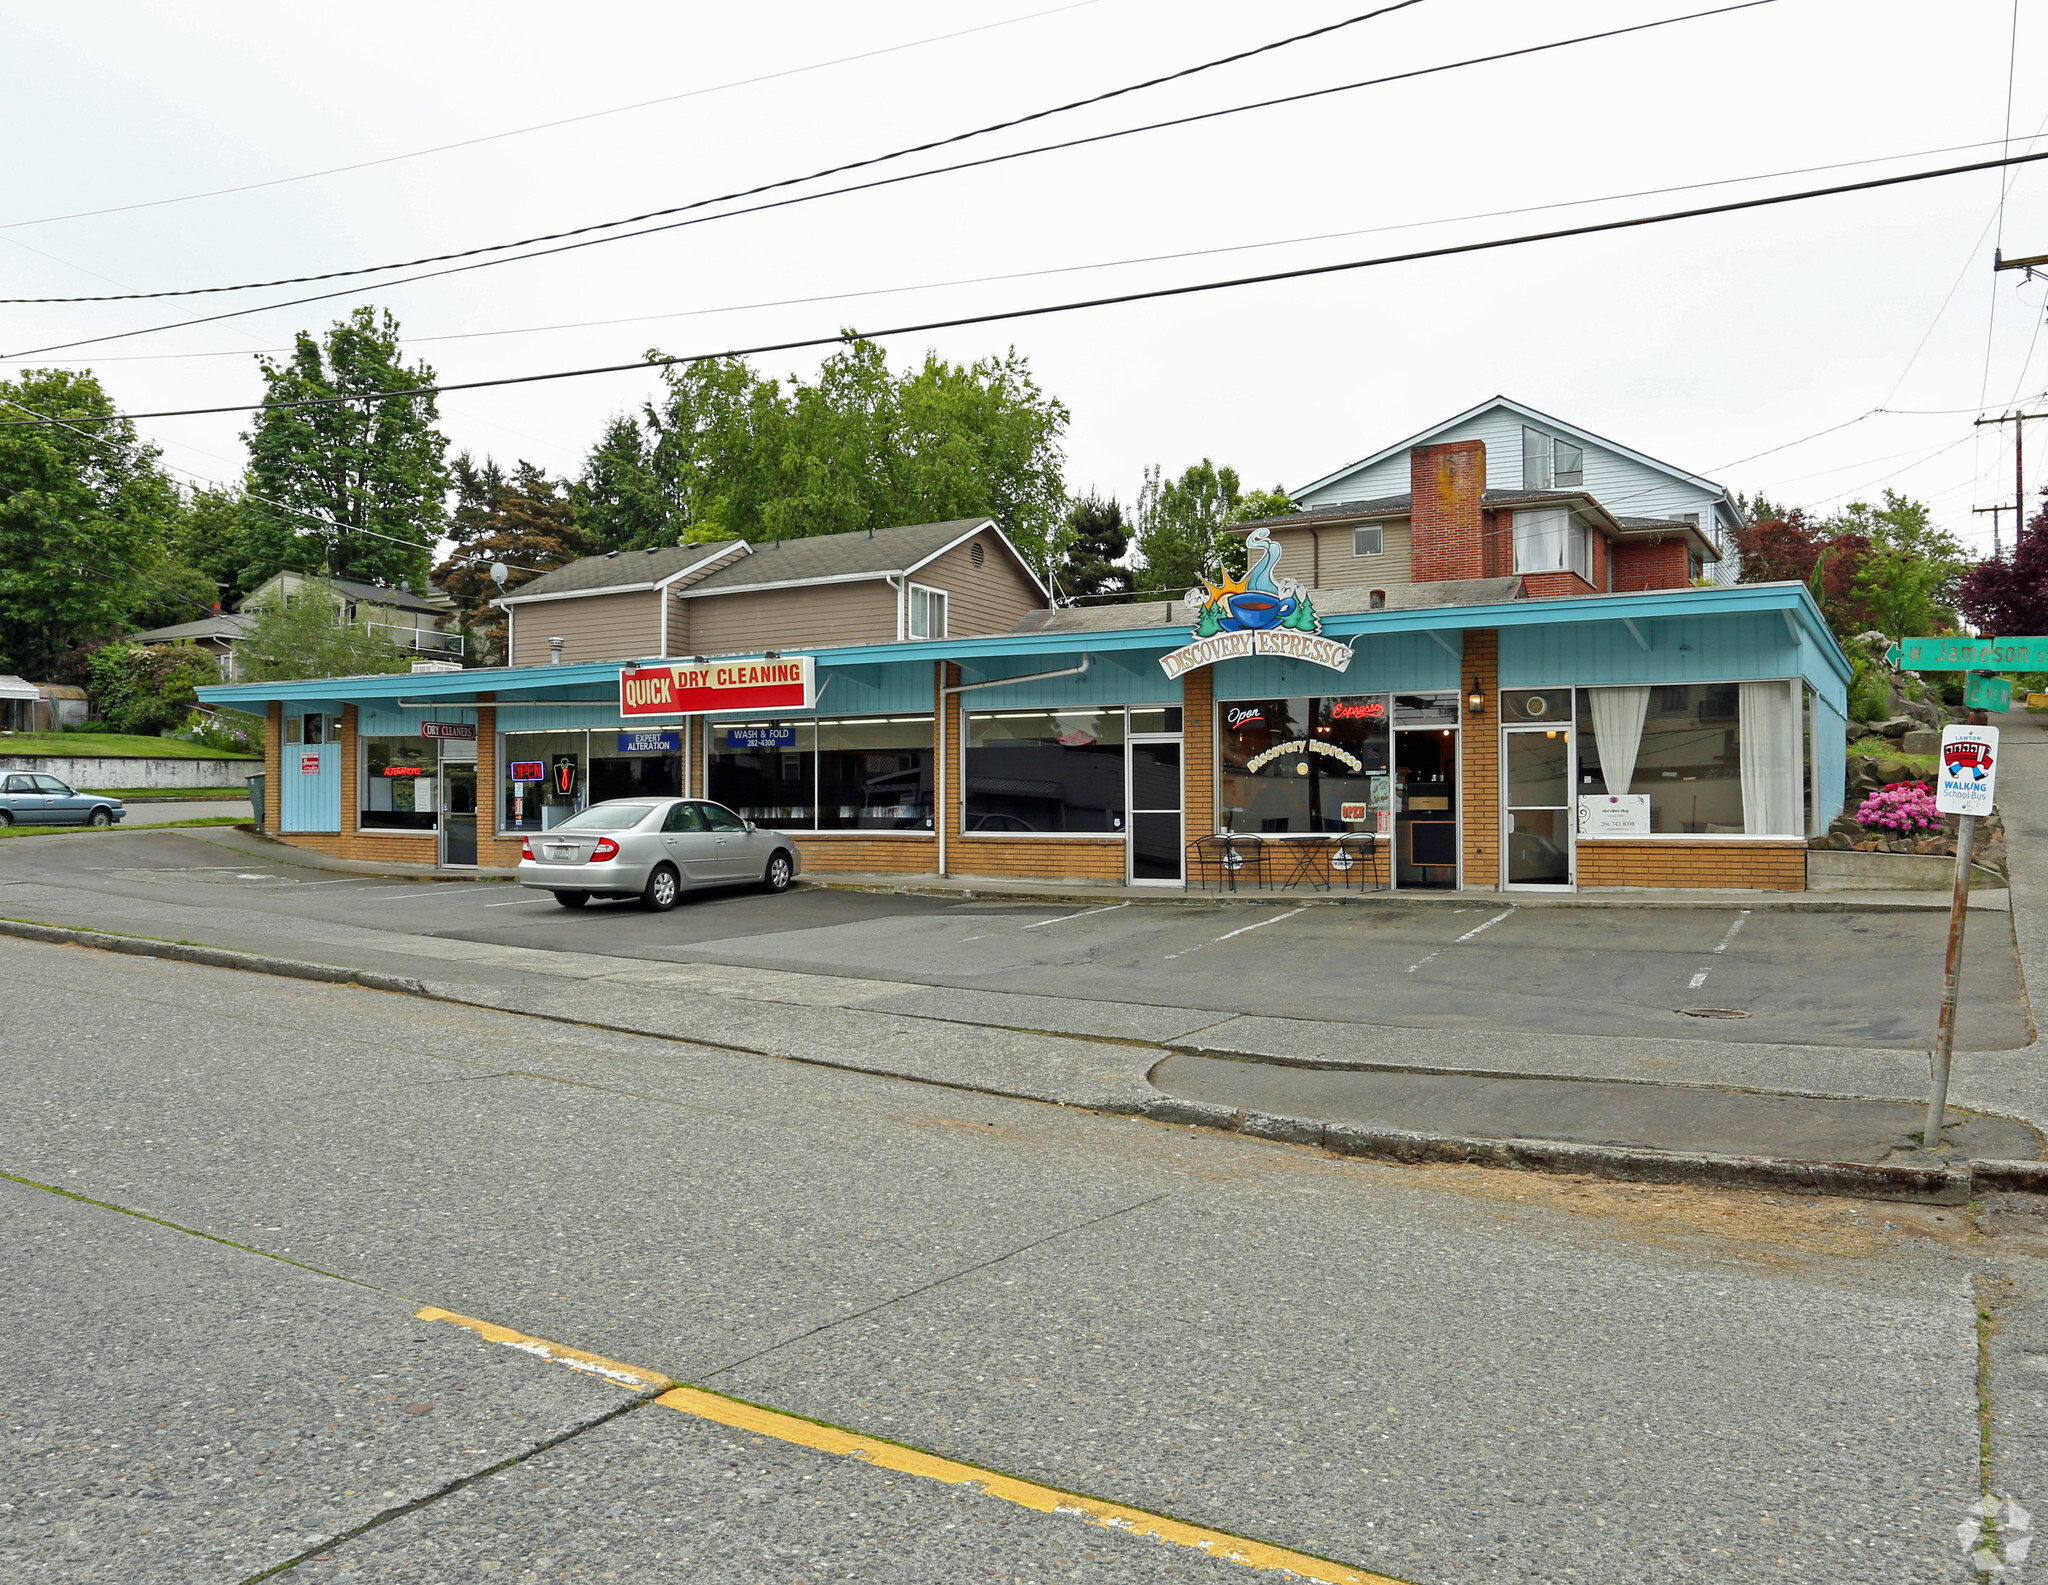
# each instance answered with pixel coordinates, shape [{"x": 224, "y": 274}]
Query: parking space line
[
  {"x": 516, "y": 901},
  {"x": 1467, "y": 936},
  {"x": 1700, "y": 978},
  {"x": 1260, "y": 925},
  {"x": 823, "y": 1438},
  {"x": 1083, "y": 914}
]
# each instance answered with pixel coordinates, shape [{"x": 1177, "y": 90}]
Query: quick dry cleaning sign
[{"x": 786, "y": 683}]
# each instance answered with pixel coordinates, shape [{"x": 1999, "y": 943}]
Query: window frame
[
  {"x": 1120, "y": 834},
  {"x": 931, "y": 594},
  {"x": 432, "y": 774},
  {"x": 1379, "y": 536},
  {"x": 817, "y": 723}
]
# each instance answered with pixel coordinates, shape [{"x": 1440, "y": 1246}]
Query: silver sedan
[{"x": 653, "y": 848}]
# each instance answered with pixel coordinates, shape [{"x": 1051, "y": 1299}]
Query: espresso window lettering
[{"x": 1292, "y": 764}]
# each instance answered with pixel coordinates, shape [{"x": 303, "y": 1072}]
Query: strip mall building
[{"x": 1493, "y": 656}]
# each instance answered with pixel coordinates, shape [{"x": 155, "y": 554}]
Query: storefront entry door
[
  {"x": 458, "y": 814},
  {"x": 1155, "y": 805},
  {"x": 1536, "y": 828}
]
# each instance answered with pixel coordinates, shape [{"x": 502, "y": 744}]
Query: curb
[
  {"x": 1934, "y": 1185},
  {"x": 1931, "y": 1185}
]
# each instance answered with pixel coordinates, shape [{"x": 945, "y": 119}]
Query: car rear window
[{"x": 608, "y": 817}]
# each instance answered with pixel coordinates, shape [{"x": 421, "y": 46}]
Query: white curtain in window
[
  {"x": 1770, "y": 783},
  {"x": 1618, "y": 733},
  {"x": 1540, "y": 539}
]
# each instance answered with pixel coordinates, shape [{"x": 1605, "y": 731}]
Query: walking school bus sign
[
  {"x": 789, "y": 682},
  {"x": 1255, "y": 615}
]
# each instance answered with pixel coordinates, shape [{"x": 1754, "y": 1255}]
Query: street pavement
[{"x": 1436, "y": 1374}]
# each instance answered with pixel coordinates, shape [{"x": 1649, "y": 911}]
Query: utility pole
[
  {"x": 1994, "y": 511},
  {"x": 2019, "y": 471}
]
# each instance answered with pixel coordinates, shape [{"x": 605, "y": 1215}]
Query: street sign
[
  {"x": 1987, "y": 693},
  {"x": 1968, "y": 773},
  {"x": 1956, "y": 653}
]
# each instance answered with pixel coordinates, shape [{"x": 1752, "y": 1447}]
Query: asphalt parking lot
[{"x": 1720, "y": 973}]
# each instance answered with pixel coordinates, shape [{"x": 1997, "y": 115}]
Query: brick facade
[
  {"x": 1667, "y": 862},
  {"x": 1663, "y": 562},
  {"x": 1479, "y": 781},
  {"x": 1447, "y": 484},
  {"x": 1553, "y": 585}
]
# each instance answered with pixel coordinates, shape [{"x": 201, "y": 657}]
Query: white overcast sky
[{"x": 1701, "y": 343}]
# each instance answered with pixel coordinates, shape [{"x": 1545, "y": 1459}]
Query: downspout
[{"x": 945, "y": 715}]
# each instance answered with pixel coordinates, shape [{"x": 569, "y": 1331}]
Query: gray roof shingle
[
  {"x": 622, "y": 569},
  {"x": 859, "y": 554}
]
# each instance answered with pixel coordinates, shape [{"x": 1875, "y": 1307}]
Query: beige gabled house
[{"x": 956, "y": 579}]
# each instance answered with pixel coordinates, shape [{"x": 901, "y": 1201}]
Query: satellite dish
[{"x": 499, "y": 573}]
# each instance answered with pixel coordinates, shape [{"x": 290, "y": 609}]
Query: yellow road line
[
  {"x": 555, "y": 1353},
  {"x": 926, "y": 1466}
]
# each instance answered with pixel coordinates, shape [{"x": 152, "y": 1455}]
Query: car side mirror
[{"x": 748, "y": 824}]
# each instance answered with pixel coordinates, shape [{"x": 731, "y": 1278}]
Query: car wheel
[
  {"x": 99, "y": 817},
  {"x": 6, "y": 819},
  {"x": 662, "y": 889},
  {"x": 777, "y": 876},
  {"x": 572, "y": 899}
]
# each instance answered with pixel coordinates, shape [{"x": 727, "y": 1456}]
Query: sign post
[{"x": 1964, "y": 782}]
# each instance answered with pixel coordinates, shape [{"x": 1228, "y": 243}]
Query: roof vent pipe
[{"x": 555, "y": 651}]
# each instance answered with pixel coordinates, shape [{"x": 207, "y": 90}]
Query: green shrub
[
  {"x": 147, "y": 689},
  {"x": 1870, "y": 695}
]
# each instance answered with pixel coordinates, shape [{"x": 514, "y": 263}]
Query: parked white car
[{"x": 654, "y": 849}]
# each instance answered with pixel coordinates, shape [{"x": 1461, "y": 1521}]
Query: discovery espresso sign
[{"x": 789, "y": 682}]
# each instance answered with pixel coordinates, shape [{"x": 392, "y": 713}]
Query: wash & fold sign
[{"x": 788, "y": 682}]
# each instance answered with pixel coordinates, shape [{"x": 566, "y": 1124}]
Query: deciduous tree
[
  {"x": 525, "y": 522},
  {"x": 2008, "y": 597},
  {"x": 305, "y": 636}
]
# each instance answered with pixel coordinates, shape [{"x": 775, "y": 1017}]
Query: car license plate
[{"x": 561, "y": 853}]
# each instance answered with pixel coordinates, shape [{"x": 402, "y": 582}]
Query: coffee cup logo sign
[
  {"x": 1967, "y": 774},
  {"x": 1256, "y": 614}
]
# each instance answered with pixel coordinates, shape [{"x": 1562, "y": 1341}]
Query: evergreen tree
[
  {"x": 353, "y": 486},
  {"x": 1097, "y": 541},
  {"x": 526, "y": 522},
  {"x": 621, "y": 502}
]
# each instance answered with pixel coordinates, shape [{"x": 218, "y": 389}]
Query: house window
[
  {"x": 1551, "y": 464},
  {"x": 927, "y": 612},
  {"x": 1552, "y": 539},
  {"x": 1369, "y": 539},
  {"x": 1376, "y": 600}
]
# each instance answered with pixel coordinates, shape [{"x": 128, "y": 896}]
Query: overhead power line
[
  {"x": 833, "y": 192},
  {"x": 545, "y": 126},
  {"x": 764, "y": 187},
  {"x": 1305, "y": 272},
  {"x": 1097, "y": 264}
]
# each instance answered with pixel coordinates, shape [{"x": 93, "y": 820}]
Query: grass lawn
[
  {"x": 180, "y": 795},
  {"x": 168, "y": 825},
  {"x": 1920, "y": 764},
  {"x": 118, "y": 745}
]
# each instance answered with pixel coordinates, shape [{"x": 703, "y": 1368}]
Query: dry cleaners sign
[
  {"x": 789, "y": 682},
  {"x": 1256, "y": 614}
]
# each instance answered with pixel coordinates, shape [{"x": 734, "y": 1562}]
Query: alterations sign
[
  {"x": 1967, "y": 772},
  {"x": 787, "y": 683}
]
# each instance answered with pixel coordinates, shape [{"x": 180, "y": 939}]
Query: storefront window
[
  {"x": 875, "y": 774},
  {"x": 544, "y": 779},
  {"x": 1313, "y": 764},
  {"x": 1045, "y": 771},
  {"x": 642, "y": 764},
  {"x": 766, "y": 771},
  {"x": 399, "y": 777},
  {"x": 1712, "y": 759}
]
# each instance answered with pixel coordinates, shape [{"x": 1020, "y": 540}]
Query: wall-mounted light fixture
[
  {"x": 1475, "y": 701},
  {"x": 771, "y": 654}
]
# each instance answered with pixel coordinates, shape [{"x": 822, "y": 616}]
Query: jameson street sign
[
  {"x": 1987, "y": 693},
  {"x": 1955, "y": 653}
]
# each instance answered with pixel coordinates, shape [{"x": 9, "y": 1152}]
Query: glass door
[
  {"x": 1536, "y": 828},
  {"x": 1154, "y": 802},
  {"x": 458, "y": 813}
]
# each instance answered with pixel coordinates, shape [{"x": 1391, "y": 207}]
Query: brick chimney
[{"x": 1448, "y": 483}]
